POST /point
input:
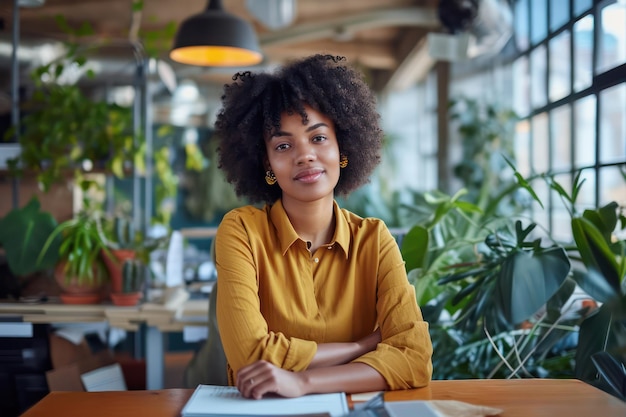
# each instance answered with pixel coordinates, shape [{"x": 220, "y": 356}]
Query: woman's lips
[{"x": 309, "y": 175}]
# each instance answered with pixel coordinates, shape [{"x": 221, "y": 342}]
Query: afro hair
[{"x": 252, "y": 106}]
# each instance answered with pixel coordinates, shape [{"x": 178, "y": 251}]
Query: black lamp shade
[{"x": 216, "y": 38}]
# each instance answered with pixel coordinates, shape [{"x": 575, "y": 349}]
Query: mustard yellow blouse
[{"x": 276, "y": 300}]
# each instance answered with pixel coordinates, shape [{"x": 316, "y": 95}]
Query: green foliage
[
  {"x": 81, "y": 247},
  {"x": 503, "y": 308},
  {"x": 509, "y": 282},
  {"x": 64, "y": 130},
  {"x": 487, "y": 133},
  {"x": 119, "y": 232},
  {"x": 23, "y": 233},
  {"x": 602, "y": 276}
]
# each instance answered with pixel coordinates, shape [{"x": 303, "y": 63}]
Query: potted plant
[
  {"x": 131, "y": 283},
  {"x": 127, "y": 256},
  {"x": 122, "y": 242},
  {"x": 80, "y": 270}
]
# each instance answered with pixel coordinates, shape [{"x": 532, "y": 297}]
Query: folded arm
[
  {"x": 260, "y": 378},
  {"x": 331, "y": 354}
]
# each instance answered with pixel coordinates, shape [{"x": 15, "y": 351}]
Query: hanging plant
[{"x": 64, "y": 130}]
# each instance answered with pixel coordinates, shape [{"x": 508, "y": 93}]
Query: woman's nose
[{"x": 305, "y": 153}]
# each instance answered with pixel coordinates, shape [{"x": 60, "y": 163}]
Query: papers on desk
[
  {"x": 410, "y": 409},
  {"x": 213, "y": 401}
]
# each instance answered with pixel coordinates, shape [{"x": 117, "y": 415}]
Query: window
[
  {"x": 583, "y": 53},
  {"x": 560, "y": 66},
  {"x": 575, "y": 117},
  {"x": 611, "y": 36}
]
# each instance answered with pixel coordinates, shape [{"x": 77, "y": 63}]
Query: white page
[
  {"x": 107, "y": 378},
  {"x": 211, "y": 400}
]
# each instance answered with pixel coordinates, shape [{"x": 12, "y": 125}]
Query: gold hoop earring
[
  {"x": 343, "y": 161},
  {"x": 270, "y": 177}
]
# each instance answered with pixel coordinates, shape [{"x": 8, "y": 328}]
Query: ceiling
[{"x": 386, "y": 39}]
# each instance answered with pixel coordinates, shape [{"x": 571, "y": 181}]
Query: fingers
[
  {"x": 254, "y": 380},
  {"x": 261, "y": 378}
]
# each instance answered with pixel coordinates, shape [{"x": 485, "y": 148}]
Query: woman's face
[{"x": 304, "y": 158}]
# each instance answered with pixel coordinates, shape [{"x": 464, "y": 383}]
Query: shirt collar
[{"x": 287, "y": 235}]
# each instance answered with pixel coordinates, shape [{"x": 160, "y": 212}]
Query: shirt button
[{"x": 316, "y": 260}]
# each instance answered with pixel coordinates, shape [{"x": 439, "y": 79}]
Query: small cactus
[
  {"x": 132, "y": 275},
  {"x": 124, "y": 233}
]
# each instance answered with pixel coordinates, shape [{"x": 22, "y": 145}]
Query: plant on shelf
[
  {"x": 122, "y": 243},
  {"x": 132, "y": 279},
  {"x": 80, "y": 270},
  {"x": 127, "y": 257}
]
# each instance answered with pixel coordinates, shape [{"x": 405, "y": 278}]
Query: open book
[{"x": 213, "y": 401}]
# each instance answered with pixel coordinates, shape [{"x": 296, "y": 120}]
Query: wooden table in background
[
  {"x": 171, "y": 315},
  {"x": 517, "y": 398}
]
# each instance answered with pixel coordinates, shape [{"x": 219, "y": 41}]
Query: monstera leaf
[
  {"x": 23, "y": 233},
  {"x": 528, "y": 279}
]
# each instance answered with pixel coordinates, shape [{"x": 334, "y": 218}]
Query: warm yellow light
[{"x": 216, "y": 56}]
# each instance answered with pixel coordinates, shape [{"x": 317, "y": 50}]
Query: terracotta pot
[
  {"x": 74, "y": 292},
  {"x": 115, "y": 266},
  {"x": 126, "y": 298}
]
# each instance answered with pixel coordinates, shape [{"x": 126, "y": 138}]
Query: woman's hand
[{"x": 261, "y": 377}]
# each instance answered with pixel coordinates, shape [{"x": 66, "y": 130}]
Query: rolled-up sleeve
[{"x": 403, "y": 357}]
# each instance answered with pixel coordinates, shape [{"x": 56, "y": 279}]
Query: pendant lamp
[{"x": 216, "y": 38}]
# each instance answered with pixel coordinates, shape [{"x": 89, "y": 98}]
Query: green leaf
[
  {"x": 595, "y": 251},
  {"x": 591, "y": 339},
  {"x": 522, "y": 182},
  {"x": 414, "y": 247},
  {"x": 613, "y": 372},
  {"x": 528, "y": 280},
  {"x": 468, "y": 207},
  {"x": 23, "y": 233},
  {"x": 594, "y": 284},
  {"x": 577, "y": 185},
  {"x": 604, "y": 218}
]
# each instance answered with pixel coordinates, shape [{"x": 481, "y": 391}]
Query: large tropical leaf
[
  {"x": 23, "y": 233},
  {"x": 595, "y": 285},
  {"x": 528, "y": 279},
  {"x": 415, "y": 247},
  {"x": 595, "y": 251}
]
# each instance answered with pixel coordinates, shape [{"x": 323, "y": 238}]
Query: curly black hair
[{"x": 252, "y": 105}]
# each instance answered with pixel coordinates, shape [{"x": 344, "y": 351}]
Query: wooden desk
[{"x": 517, "y": 398}]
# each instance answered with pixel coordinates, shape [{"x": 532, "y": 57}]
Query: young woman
[{"x": 312, "y": 298}]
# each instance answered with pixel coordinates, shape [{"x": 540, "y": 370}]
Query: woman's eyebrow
[
  {"x": 279, "y": 133},
  {"x": 316, "y": 125},
  {"x": 309, "y": 129}
]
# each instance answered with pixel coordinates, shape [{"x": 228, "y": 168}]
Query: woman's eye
[
  {"x": 319, "y": 138},
  {"x": 282, "y": 147}
]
